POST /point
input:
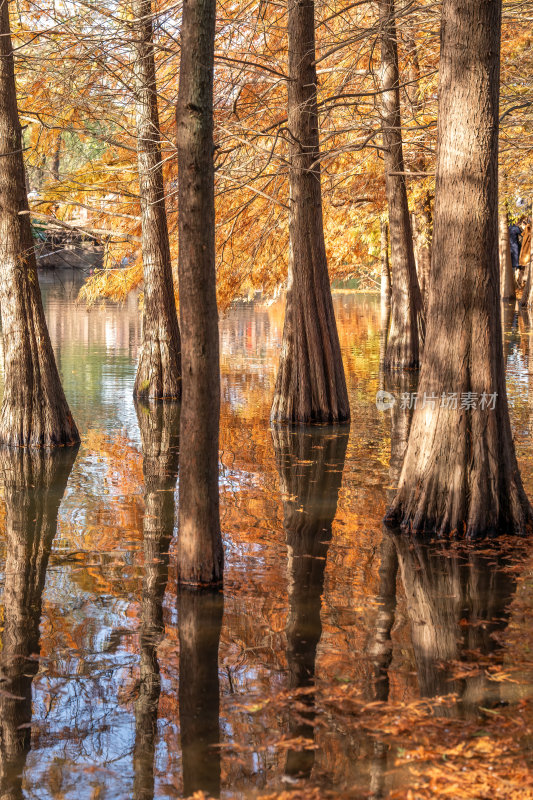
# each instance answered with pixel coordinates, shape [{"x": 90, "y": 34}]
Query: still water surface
[{"x": 112, "y": 686}]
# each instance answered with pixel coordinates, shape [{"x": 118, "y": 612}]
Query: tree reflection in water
[
  {"x": 200, "y": 623},
  {"x": 457, "y": 602},
  {"x": 34, "y": 484},
  {"x": 310, "y": 463},
  {"x": 159, "y": 427},
  {"x": 457, "y": 599},
  {"x": 456, "y": 594}
]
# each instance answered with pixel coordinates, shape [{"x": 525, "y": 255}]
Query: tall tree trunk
[
  {"x": 403, "y": 346},
  {"x": 421, "y": 217},
  {"x": 200, "y": 554},
  {"x": 159, "y": 426},
  {"x": 310, "y": 464},
  {"x": 200, "y": 622},
  {"x": 460, "y": 474},
  {"x": 159, "y": 368},
  {"x": 311, "y": 385},
  {"x": 34, "y": 409},
  {"x": 34, "y": 483},
  {"x": 385, "y": 298},
  {"x": 385, "y": 269},
  {"x": 422, "y": 226},
  {"x": 506, "y": 267}
]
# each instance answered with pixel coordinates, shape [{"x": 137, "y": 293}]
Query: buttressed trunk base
[
  {"x": 159, "y": 369},
  {"x": 34, "y": 409},
  {"x": 310, "y": 386}
]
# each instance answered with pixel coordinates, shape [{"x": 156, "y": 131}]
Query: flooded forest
[{"x": 266, "y": 380}]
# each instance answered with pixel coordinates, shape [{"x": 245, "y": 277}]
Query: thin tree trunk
[
  {"x": 506, "y": 267},
  {"x": 159, "y": 368},
  {"x": 385, "y": 269},
  {"x": 526, "y": 301},
  {"x": 386, "y": 294},
  {"x": 403, "y": 345},
  {"x": 421, "y": 218},
  {"x": 460, "y": 474},
  {"x": 34, "y": 484},
  {"x": 56, "y": 160},
  {"x": 34, "y": 409},
  {"x": 310, "y": 463},
  {"x": 200, "y": 622},
  {"x": 159, "y": 427},
  {"x": 422, "y": 225},
  {"x": 310, "y": 386},
  {"x": 200, "y": 554}
]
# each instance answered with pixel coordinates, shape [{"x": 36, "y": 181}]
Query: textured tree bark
[
  {"x": 200, "y": 622},
  {"x": 34, "y": 483},
  {"x": 200, "y": 554},
  {"x": 310, "y": 463},
  {"x": 406, "y": 323},
  {"x": 34, "y": 409},
  {"x": 422, "y": 226},
  {"x": 506, "y": 267},
  {"x": 460, "y": 475},
  {"x": 159, "y": 426},
  {"x": 159, "y": 369},
  {"x": 311, "y": 385}
]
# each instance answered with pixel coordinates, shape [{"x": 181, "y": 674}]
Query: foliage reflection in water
[{"x": 342, "y": 658}]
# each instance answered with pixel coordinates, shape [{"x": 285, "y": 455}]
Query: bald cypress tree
[
  {"x": 460, "y": 475},
  {"x": 159, "y": 369},
  {"x": 310, "y": 386},
  {"x": 34, "y": 408},
  {"x": 200, "y": 553}
]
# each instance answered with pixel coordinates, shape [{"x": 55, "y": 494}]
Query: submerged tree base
[
  {"x": 17, "y": 429},
  {"x": 460, "y": 477},
  {"x": 34, "y": 410},
  {"x": 159, "y": 371},
  {"x": 421, "y": 517},
  {"x": 310, "y": 387}
]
